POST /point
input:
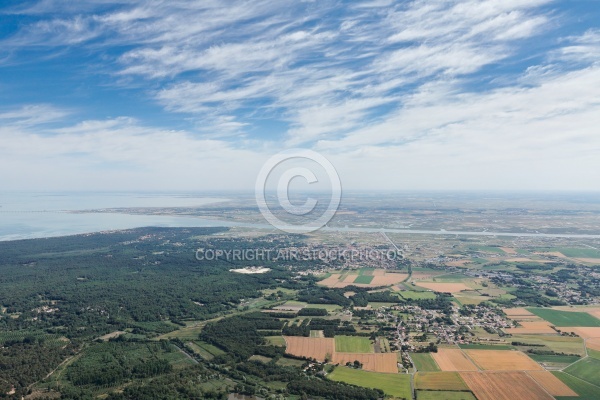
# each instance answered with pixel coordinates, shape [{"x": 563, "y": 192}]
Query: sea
[{"x": 28, "y": 215}]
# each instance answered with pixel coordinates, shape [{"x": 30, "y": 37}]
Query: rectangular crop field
[
  {"x": 317, "y": 348},
  {"x": 566, "y": 318},
  {"x": 414, "y": 295},
  {"x": 502, "y": 360},
  {"x": 587, "y": 369},
  {"x": 513, "y": 385},
  {"x": 439, "y": 381},
  {"x": 377, "y": 362},
  {"x": 452, "y": 287},
  {"x": 559, "y": 344},
  {"x": 365, "y": 279},
  {"x": 353, "y": 344},
  {"x": 551, "y": 383},
  {"x": 396, "y": 385},
  {"x": 446, "y": 395},
  {"x": 424, "y": 362},
  {"x": 453, "y": 360},
  {"x": 582, "y": 388}
]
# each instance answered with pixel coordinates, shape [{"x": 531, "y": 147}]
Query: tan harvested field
[
  {"x": 551, "y": 383},
  {"x": 552, "y": 253},
  {"x": 444, "y": 287},
  {"x": 112, "y": 335},
  {"x": 520, "y": 311},
  {"x": 589, "y": 260},
  {"x": 388, "y": 279},
  {"x": 422, "y": 275},
  {"x": 593, "y": 343},
  {"x": 439, "y": 381},
  {"x": 531, "y": 327},
  {"x": 513, "y": 385},
  {"x": 458, "y": 263},
  {"x": 317, "y": 348},
  {"x": 523, "y": 259},
  {"x": 331, "y": 281},
  {"x": 453, "y": 360},
  {"x": 502, "y": 360},
  {"x": 508, "y": 250},
  {"x": 377, "y": 362},
  {"x": 582, "y": 331}
]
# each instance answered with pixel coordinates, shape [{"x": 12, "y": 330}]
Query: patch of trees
[
  {"x": 319, "y": 295},
  {"x": 312, "y": 312}
]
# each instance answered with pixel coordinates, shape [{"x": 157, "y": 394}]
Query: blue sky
[{"x": 196, "y": 95}]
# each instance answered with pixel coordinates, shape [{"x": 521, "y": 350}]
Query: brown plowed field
[
  {"x": 531, "y": 327},
  {"x": 377, "y": 362},
  {"x": 316, "y": 348},
  {"x": 502, "y": 360},
  {"x": 512, "y": 385},
  {"x": 453, "y": 360},
  {"x": 444, "y": 287},
  {"x": 552, "y": 384}
]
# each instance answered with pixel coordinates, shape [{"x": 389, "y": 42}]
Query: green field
[
  {"x": 554, "y": 359},
  {"x": 488, "y": 249},
  {"x": 353, "y": 344},
  {"x": 397, "y": 385},
  {"x": 414, "y": 295},
  {"x": 594, "y": 353},
  {"x": 205, "y": 350},
  {"x": 365, "y": 279},
  {"x": 276, "y": 340},
  {"x": 439, "y": 381},
  {"x": 558, "y": 344},
  {"x": 565, "y": 318},
  {"x": 485, "y": 347},
  {"x": 579, "y": 253},
  {"x": 424, "y": 362},
  {"x": 446, "y": 395},
  {"x": 587, "y": 369},
  {"x": 582, "y": 388}
]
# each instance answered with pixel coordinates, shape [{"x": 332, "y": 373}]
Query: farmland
[
  {"x": 551, "y": 383},
  {"x": 504, "y": 386},
  {"x": 566, "y": 318},
  {"x": 453, "y": 360},
  {"x": 424, "y": 362},
  {"x": 439, "y": 381},
  {"x": 586, "y": 369},
  {"x": 502, "y": 360},
  {"x": 378, "y": 362},
  {"x": 452, "y": 287},
  {"x": 317, "y": 348},
  {"x": 353, "y": 344},
  {"x": 582, "y": 388},
  {"x": 392, "y": 384},
  {"x": 446, "y": 395}
]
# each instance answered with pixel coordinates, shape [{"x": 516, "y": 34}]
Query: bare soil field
[
  {"x": 388, "y": 279},
  {"x": 551, "y": 383},
  {"x": 531, "y": 327},
  {"x": 444, "y": 287},
  {"x": 584, "y": 332},
  {"x": 508, "y": 250},
  {"x": 377, "y": 362},
  {"x": 512, "y": 385},
  {"x": 439, "y": 381},
  {"x": 589, "y": 260},
  {"x": 514, "y": 312},
  {"x": 453, "y": 360},
  {"x": 112, "y": 335},
  {"x": 502, "y": 360},
  {"x": 317, "y": 348}
]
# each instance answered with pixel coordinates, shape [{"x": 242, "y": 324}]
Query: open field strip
[
  {"x": 439, "y": 381},
  {"x": 453, "y": 360},
  {"x": 353, "y": 344},
  {"x": 509, "y": 385},
  {"x": 531, "y": 327},
  {"x": 558, "y": 344},
  {"x": 584, "y": 332},
  {"x": 502, "y": 360},
  {"x": 446, "y": 395},
  {"x": 587, "y": 369},
  {"x": 593, "y": 343},
  {"x": 582, "y": 388},
  {"x": 396, "y": 385},
  {"x": 317, "y": 348},
  {"x": 551, "y": 383},
  {"x": 566, "y": 318},
  {"x": 515, "y": 312},
  {"x": 377, "y": 362},
  {"x": 444, "y": 287},
  {"x": 424, "y": 362}
]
